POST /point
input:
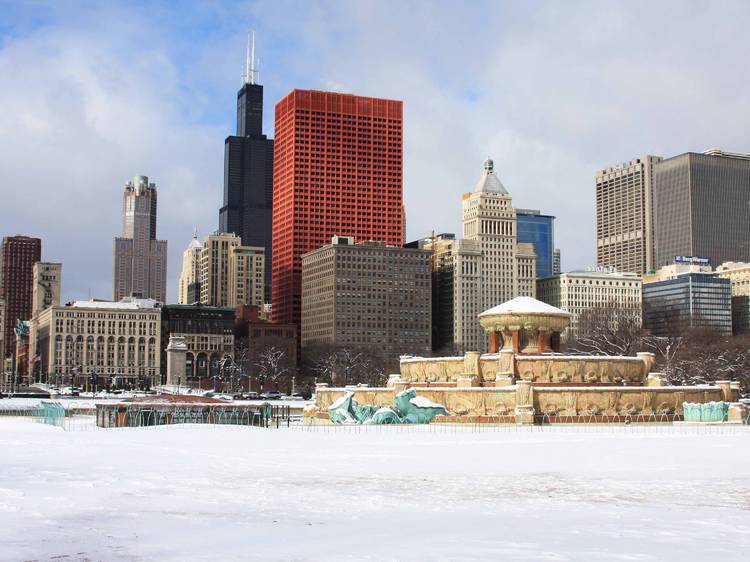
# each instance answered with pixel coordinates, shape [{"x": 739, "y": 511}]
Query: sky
[{"x": 94, "y": 93}]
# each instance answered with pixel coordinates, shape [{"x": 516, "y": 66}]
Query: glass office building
[
  {"x": 692, "y": 300},
  {"x": 539, "y": 230}
]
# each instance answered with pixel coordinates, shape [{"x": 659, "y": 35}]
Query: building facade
[
  {"x": 17, "y": 258},
  {"x": 367, "y": 295},
  {"x": 624, "y": 217},
  {"x": 488, "y": 266},
  {"x": 2, "y": 340},
  {"x": 209, "y": 336},
  {"x": 738, "y": 274},
  {"x": 556, "y": 262},
  {"x": 337, "y": 170},
  {"x": 538, "y": 230},
  {"x": 247, "y": 210},
  {"x": 191, "y": 270},
  {"x": 47, "y": 280},
  {"x": 578, "y": 291},
  {"x": 701, "y": 207},
  {"x": 691, "y": 300},
  {"x": 113, "y": 343},
  {"x": 140, "y": 260},
  {"x": 230, "y": 274}
]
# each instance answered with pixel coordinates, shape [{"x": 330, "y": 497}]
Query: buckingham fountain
[{"x": 524, "y": 379}]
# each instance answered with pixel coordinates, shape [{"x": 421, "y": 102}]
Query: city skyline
[{"x": 96, "y": 108}]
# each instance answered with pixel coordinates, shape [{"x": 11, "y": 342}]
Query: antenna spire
[{"x": 250, "y": 73}]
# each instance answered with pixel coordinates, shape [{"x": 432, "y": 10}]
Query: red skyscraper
[
  {"x": 337, "y": 170},
  {"x": 17, "y": 257}
]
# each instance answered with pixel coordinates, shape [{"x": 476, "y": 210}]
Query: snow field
[{"x": 233, "y": 493}]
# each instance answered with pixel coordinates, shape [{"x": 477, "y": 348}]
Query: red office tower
[
  {"x": 338, "y": 162},
  {"x": 17, "y": 257}
]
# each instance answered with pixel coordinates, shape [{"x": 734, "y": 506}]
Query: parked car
[
  {"x": 252, "y": 396},
  {"x": 272, "y": 395}
]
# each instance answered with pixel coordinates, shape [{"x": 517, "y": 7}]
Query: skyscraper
[
  {"x": 17, "y": 258},
  {"x": 337, "y": 171},
  {"x": 624, "y": 215},
  {"x": 487, "y": 267},
  {"x": 539, "y": 230},
  {"x": 140, "y": 268},
  {"x": 191, "y": 269},
  {"x": 230, "y": 274},
  {"x": 248, "y": 172},
  {"x": 702, "y": 207}
]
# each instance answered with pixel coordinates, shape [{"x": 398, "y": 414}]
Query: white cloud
[{"x": 553, "y": 91}]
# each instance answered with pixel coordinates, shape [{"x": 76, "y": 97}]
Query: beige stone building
[
  {"x": 117, "y": 342},
  {"x": 229, "y": 274},
  {"x": 484, "y": 268},
  {"x": 191, "y": 269},
  {"x": 577, "y": 291},
  {"x": 46, "y": 287},
  {"x": 47, "y": 280},
  {"x": 672, "y": 271},
  {"x": 624, "y": 215},
  {"x": 367, "y": 294},
  {"x": 738, "y": 274}
]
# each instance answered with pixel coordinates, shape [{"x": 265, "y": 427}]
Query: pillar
[
  {"x": 494, "y": 342},
  {"x": 176, "y": 364},
  {"x": 541, "y": 341},
  {"x": 524, "y": 403},
  {"x": 726, "y": 390}
]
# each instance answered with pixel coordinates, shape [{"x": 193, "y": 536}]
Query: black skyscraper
[{"x": 248, "y": 177}]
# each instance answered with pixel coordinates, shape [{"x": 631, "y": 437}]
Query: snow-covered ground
[{"x": 236, "y": 493}]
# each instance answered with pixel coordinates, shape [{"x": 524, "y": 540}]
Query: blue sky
[{"x": 94, "y": 93}]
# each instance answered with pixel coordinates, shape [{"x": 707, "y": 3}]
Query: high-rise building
[
  {"x": 578, "y": 291},
  {"x": 248, "y": 173},
  {"x": 367, "y": 295},
  {"x": 191, "y": 269},
  {"x": 230, "y": 274},
  {"x": 538, "y": 230},
  {"x": 140, "y": 268},
  {"x": 701, "y": 207},
  {"x": 17, "y": 259},
  {"x": 556, "y": 262},
  {"x": 337, "y": 170},
  {"x": 624, "y": 218},
  {"x": 2, "y": 340},
  {"x": 487, "y": 267},
  {"x": 46, "y": 293},
  {"x": 690, "y": 300},
  {"x": 47, "y": 281}
]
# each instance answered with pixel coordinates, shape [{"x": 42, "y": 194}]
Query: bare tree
[
  {"x": 272, "y": 365},
  {"x": 607, "y": 330}
]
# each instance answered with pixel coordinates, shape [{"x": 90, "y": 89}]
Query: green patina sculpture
[
  {"x": 409, "y": 408},
  {"x": 21, "y": 328},
  {"x": 707, "y": 412}
]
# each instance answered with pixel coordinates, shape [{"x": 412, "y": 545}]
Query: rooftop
[
  {"x": 489, "y": 182},
  {"x": 128, "y": 303},
  {"x": 524, "y": 305}
]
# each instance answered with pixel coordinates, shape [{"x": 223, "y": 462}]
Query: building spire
[{"x": 250, "y": 72}]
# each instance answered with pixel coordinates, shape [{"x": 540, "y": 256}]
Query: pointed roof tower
[{"x": 489, "y": 182}]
